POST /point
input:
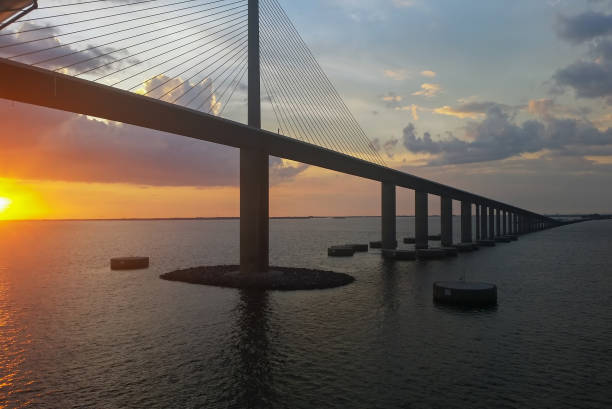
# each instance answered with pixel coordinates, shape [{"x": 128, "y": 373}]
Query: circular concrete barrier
[{"x": 465, "y": 293}]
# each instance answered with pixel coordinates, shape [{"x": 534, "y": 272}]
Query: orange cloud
[
  {"x": 450, "y": 111},
  {"x": 428, "y": 90},
  {"x": 428, "y": 73},
  {"x": 414, "y": 110},
  {"x": 397, "y": 75}
]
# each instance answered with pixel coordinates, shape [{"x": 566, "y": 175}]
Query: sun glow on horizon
[{"x": 5, "y": 202}]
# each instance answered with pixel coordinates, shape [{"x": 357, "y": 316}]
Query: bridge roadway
[{"x": 24, "y": 83}]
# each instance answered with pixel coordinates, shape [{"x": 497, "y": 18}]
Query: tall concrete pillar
[
  {"x": 254, "y": 176},
  {"x": 504, "y": 222},
  {"x": 528, "y": 224},
  {"x": 516, "y": 224},
  {"x": 446, "y": 221},
  {"x": 478, "y": 222},
  {"x": 466, "y": 222},
  {"x": 421, "y": 223},
  {"x": 491, "y": 223},
  {"x": 389, "y": 240},
  {"x": 253, "y": 211},
  {"x": 484, "y": 225},
  {"x": 497, "y": 222}
]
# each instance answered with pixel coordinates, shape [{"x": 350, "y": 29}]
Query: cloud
[
  {"x": 389, "y": 146},
  {"x": 414, "y": 110},
  {"x": 470, "y": 110},
  {"x": 52, "y": 54},
  {"x": 428, "y": 73},
  {"x": 428, "y": 90},
  {"x": 584, "y": 27},
  {"x": 44, "y": 144},
  {"x": 397, "y": 75},
  {"x": 497, "y": 137},
  {"x": 547, "y": 108},
  {"x": 199, "y": 96},
  {"x": 588, "y": 79},
  {"x": 391, "y": 100}
]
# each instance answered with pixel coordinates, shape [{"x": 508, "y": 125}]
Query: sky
[{"x": 510, "y": 100}]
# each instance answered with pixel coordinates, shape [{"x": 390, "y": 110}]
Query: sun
[{"x": 4, "y": 203}]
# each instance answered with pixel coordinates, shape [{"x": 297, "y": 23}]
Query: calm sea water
[{"x": 75, "y": 334}]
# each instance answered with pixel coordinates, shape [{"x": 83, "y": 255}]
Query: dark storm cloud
[
  {"x": 590, "y": 77},
  {"x": 584, "y": 27},
  {"x": 587, "y": 79},
  {"x": 497, "y": 137},
  {"x": 43, "y": 144}
]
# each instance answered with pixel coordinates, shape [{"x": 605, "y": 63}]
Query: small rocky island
[{"x": 278, "y": 278}]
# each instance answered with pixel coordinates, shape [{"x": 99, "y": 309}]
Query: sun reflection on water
[{"x": 12, "y": 355}]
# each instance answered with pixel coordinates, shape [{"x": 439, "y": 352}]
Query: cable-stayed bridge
[{"x": 187, "y": 67}]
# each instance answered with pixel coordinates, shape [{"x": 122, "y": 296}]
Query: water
[{"x": 75, "y": 334}]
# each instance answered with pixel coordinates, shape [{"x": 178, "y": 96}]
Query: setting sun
[{"x": 4, "y": 203}]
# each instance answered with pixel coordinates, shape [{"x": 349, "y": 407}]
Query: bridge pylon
[{"x": 254, "y": 171}]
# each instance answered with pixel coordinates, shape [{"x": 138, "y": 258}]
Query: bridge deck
[{"x": 27, "y": 84}]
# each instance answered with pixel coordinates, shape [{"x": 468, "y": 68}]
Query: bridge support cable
[
  {"x": 291, "y": 53},
  {"x": 326, "y": 100},
  {"x": 187, "y": 52},
  {"x": 286, "y": 57},
  {"x": 280, "y": 62},
  {"x": 284, "y": 76}
]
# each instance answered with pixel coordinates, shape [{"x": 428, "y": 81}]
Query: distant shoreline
[
  {"x": 144, "y": 219},
  {"x": 148, "y": 219}
]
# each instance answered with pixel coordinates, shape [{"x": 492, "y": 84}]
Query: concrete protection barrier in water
[
  {"x": 129, "y": 263},
  {"x": 464, "y": 293}
]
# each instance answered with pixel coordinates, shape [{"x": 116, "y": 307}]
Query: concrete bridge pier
[
  {"x": 491, "y": 223},
  {"x": 515, "y": 223},
  {"x": 510, "y": 223},
  {"x": 466, "y": 222},
  {"x": 420, "y": 220},
  {"x": 529, "y": 222},
  {"x": 254, "y": 221},
  {"x": 478, "y": 222},
  {"x": 388, "y": 209},
  {"x": 497, "y": 222},
  {"x": 484, "y": 228},
  {"x": 254, "y": 163},
  {"x": 446, "y": 221},
  {"x": 504, "y": 222}
]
